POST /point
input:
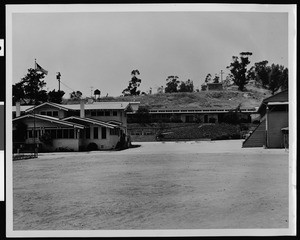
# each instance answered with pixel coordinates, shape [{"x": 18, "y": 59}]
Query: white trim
[{"x": 93, "y": 121}]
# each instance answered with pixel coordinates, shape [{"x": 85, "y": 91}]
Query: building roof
[
  {"x": 49, "y": 119},
  {"x": 126, "y": 106},
  {"x": 281, "y": 97},
  {"x": 90, "y": 120}
]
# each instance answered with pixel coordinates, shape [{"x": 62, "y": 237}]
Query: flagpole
[{"x": 34, "y": 132}]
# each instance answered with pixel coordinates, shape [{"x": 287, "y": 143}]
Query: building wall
[
  {"x": 121, "y": 116},
  {"x": 72, "y": 144},
  {"x": 109, "y": 142},
  {"x": 46, "y": 109},
  {"x": 275, "y": 122}
]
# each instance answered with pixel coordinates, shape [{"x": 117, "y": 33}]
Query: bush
[
  {"x": 64, "y": 149},
  {"x": 92, "y": 146}
]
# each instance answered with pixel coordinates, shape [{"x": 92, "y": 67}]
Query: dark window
[
  {"x": 95, "y": 132},
  {"x": 65, "y": 133},
  {"x": 30, "y": 135},
  {"x": 80, "y": 133},
  {"x": 115, "y": 113},
  {"x": 55, "y": 113},
  {"x": 114, "y": 131},
  {"x": 205, "y": 118},
  {"x": 100, "y": 113},
  {"x": 43, "y": 113},
  {"x": 59, "y": 133},
  {"x": 107, "y": 113},
  {"x": 53, "y": 133},
  {"x": 87, "y": 133},
  {"x": 49, "y": 113},
  {"x": 103, "y": 132},
  {"x": 93, "y": 113},
  {"x": 71, "y": 133}
]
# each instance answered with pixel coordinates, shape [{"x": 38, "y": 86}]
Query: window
[
  {"x": 59, "y": 133},
  {"x": 30, "y": 135},
  {"x": 95, "y": 132},
  {"x": 55, "y": 113},
  {"x": 107, "y": 113},
  {"x": 53, "y": 133},
  {"x": 103, "y": 132},
  {"x": 115, "y": 113},
  {"x": 100, "y": 113},
  {"x": 87, "y": 133},
  {"x": 71, "y": 133},
  {"x": 115, "y": 131},
  {"x": 49, "y": 113},
  {"x": 93, "y": 113},
  {"x": 43, "y": 113},
  {"x": 65, "y": 133}
]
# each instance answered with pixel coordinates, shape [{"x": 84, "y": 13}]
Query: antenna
[{"x": 91, "y": 91}]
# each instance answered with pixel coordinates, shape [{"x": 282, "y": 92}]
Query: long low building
[{"x": 204, "y": 115}]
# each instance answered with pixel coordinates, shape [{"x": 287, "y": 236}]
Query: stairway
[{"x": 257, "y": 138}]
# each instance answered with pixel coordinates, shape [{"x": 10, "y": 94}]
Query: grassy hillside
[
  {"x": 204, "y": 99},
  {"x": 230, "y": 98}
]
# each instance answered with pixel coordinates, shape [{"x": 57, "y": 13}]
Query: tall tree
[
  {"x": 261, "y": 72},
  {"x": 239, "y": 72},
  {"x": 207, "y": 78},
  {"x": 278, "y": 78},
  {"x": 55, "y": 96},
  {"x": 172, "y": 84},
  {"x": 134, "y": 83},
  {"x": 216, "y": 79},
  {"x": 30, "y": 88}
]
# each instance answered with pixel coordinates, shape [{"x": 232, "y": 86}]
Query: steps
[{"x": 257, "y": 138}]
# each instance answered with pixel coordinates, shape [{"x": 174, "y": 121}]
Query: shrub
[{"x": 92, "y": 146}]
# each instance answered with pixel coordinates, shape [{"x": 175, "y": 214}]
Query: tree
[
  {"x": 207, "y": 78},
  {"x": 278, "y": 78},
  {"x": 18, "y": 92},
  {"x": 75, "y": 95},
  {"x": 239, "y": 72},
  {"x": 55, "y": 96},
  {"x": 30, "y": 88},
  {"x": 187, "y": 86},
  {"x": 261, "y": 72},
  {"x": 172, "y": 84},
  {"x": 216, "y": 79},
  {"x": 19, "y": 134},
  {"x": 134, "y": 83}
]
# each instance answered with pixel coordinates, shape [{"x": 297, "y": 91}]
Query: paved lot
[{"x": 192, "y": 185}]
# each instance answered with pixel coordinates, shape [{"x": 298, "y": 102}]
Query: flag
[{"x": 39, "y": 68}]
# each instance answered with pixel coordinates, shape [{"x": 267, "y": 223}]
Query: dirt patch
[{"x": 155, "y": 186}]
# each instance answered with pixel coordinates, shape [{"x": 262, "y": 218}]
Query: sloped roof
[
  {"x": 90, "y": 120},
  {"x": 92, "y": 106},
  {"x": 49, "y": 119},
  {"x": 281, "y": 97}
]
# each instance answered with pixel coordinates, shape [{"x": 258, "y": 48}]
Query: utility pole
[
  {"x": 222, "y": 75},
  {"x": 58, "y": 79}
]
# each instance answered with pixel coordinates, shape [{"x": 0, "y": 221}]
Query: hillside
[
  {"x": 228, "y": 99},
  {"x": 203, "y": 99}
]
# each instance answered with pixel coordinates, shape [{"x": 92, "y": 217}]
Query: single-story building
[{"x": 273, "y": 123}]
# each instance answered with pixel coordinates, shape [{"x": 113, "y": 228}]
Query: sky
[{"x": 98, "y": 50}]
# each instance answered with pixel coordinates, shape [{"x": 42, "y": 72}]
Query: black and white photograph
[{"x": 150, "y": 120}]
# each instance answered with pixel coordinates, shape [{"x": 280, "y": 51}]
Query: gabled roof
[
  {"x": 49, "y": 119},
  {"x": 126, "y": 106},
  {"x": 91, "y": 121},
  {"x": 55, "y": 105},
  {"x": 281, "y": 97}
]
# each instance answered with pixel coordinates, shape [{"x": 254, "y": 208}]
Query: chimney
[
  {"x": 18, "y": 109},
  {"x": 82, "y": 115}
]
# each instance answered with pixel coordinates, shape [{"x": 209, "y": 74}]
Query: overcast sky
[{"x": 100, "y": 49}]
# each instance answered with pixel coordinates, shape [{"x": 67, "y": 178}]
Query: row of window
[
  {"x": 103, "y": 113},
  {"x": 54, "y": 133},
  {"x": 50, "y": 113}
]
